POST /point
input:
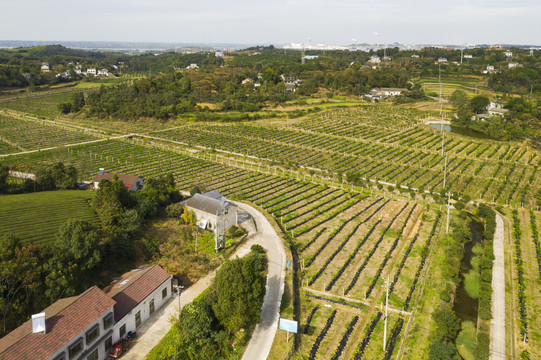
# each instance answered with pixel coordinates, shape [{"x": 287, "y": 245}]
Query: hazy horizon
[{"x": 279, "y": 22}]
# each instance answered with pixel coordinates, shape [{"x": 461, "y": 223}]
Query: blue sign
[
  {"x": 288, "y": 325},
  {"x": 288, "y": 263}
]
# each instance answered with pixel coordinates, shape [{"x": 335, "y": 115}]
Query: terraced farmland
[
  {"x": 35, "y": 218},
  {"x": 17, "y": 134},
  {"x": 344, "y": 141},
  {"x": 349, "y": 241}
]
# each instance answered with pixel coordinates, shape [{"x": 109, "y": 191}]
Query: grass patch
[
  {"x": 465, "y": 341},
  {"x": 472, "y": 283}
]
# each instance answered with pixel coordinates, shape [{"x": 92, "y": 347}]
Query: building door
[
  {"x": 151, "y": 306},
  {"x": 137, "y": 319}
]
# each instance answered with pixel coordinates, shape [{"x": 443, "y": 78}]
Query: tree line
[{"x": 34, "y": 276}]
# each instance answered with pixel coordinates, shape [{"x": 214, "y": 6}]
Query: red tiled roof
[
  {"x": 135, "y": 286},
  {"x": 128, "y": 180},
  {"x": 65, "y": 319}
]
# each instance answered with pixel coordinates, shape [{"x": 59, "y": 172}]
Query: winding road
[{"x": 261, "y": 232}]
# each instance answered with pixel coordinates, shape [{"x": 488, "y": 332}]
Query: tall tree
[{"x": 240, "y": 288}]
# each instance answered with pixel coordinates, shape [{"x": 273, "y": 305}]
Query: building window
[
  {"x": 151, "y": 306},
  {"x": 164, "y": 293},
  {"x": 93, "y": 355},
  {"x": 108, "y": 344},
  {"x": 137, "y": 319},
  {"x": 61, "y": 356},
  {"x": 122, "y": 330},
  {"x": 108, "y": 321},
  {"x": 75, "y": 348},
  {"x": 92, "y": 334}
]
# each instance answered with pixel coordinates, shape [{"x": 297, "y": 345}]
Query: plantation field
[
  {"x": 343, "y": 236},
  {"x": 46, "y": 106},
  {"x": 392, "y": 147},
  {"x": 18, "y": 134},
  {"x": 35, "y": 218},
  {"x": 348, "y": 238}
]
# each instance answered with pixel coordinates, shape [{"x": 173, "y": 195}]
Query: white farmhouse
[
  {"x": 91, "y": 71},
  {"x": 138, "y": 294},
  {"x": 212, "y": 211},
  {"x": 103, "y": 72},
  {"x": 374, "y": 59}
]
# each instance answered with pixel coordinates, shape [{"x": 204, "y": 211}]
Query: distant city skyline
[{"x": 276, "y": 22}]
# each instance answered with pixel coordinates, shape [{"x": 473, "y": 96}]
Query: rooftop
[
  {"x": 133, "y": 287},
  {"x": 207, "y": 204},
  {"x": 65, "y": 319},
  {"x": 128, "y": 180}
]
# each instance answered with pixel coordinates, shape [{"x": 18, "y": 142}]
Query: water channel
[{"x": 466, "y": 307}]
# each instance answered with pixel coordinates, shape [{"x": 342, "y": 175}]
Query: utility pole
[
  {"x": 386, "y": 306},
  {"x": 448, "y": 207},
  {"x": 445, "y": 172}
]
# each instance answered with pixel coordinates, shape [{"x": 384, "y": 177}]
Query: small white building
[
  {"x": 103, "y": 72},
  {"x": 192, "y": 67},
  {"x": 45, "y": 67},
  {"x": 374, "y": 59},
  {"x": 512, "y": 65},
  {"x": 212, "y": 211},
  {"x": 219, "y": 54},
  {"x": 414, "y": 56},
  {"x": 442, "y": 60},
  {"x": 78, "y": 327},
  {"x": 468, "y": 56},
  {"x": 490, "y": 69},
  {"x": 508, "y": 53},
  {"x": 91, "y": 71},
  {"x": 138, "y": 294},
  {"x": 377, "y": 94}
]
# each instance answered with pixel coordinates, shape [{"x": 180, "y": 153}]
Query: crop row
[
  {"x": 321, "y": 336},
  {"x": 343, "y": 342},
  {"x": 370, "y": 253},
  {"x": 359, "y": 353}
]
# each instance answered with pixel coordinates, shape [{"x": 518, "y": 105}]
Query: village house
[
  {"x": 377, "y": 94},
  {"x": 103, "y": 72},
  {"x": 137, "y": 295},
  {"x": 131, "y": 182},
  {"x": 512, "y": 65},
  {"x": 468, "y": 56},
  {"x": 78, "y": 327},
  {"x": 91, "y": 71},
  {"x": 212, "y": 211},
  {"x": 45, "y": 67},
  {"x": 86, "y": 326},
  {"x": 442, "y": 60},
  {"x": 374, "y": 59}
]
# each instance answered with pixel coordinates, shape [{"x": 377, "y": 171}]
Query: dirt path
[{"x": 497, "y": 324}]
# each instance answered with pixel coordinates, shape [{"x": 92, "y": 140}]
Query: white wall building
[
  {"x": 138, "y": 294},
  {"x": 212, "y": 211},
  {"x": 91, "y": 71}
]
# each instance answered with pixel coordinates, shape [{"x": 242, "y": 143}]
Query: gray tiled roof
[{"x": 207, "y": 204}]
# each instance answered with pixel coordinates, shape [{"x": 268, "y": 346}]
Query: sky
[{"x": 336, "y": 22}]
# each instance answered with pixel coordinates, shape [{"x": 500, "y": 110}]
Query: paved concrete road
[
  {"x": 497, "y": 324},
  {"x": 260, "y": 232},
  {"x": 263, "y": 336}
]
